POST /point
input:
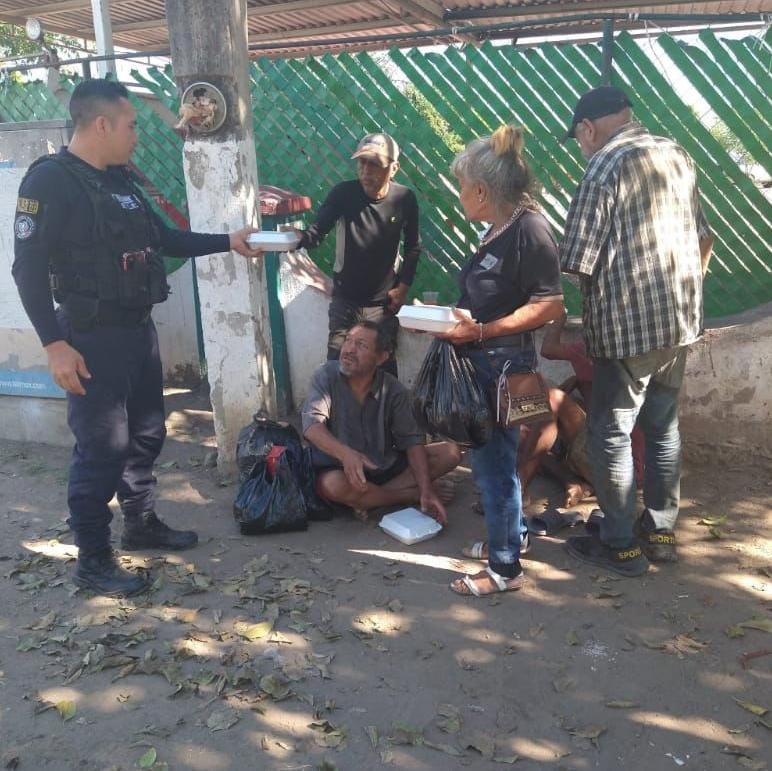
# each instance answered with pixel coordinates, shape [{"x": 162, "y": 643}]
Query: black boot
[
  {"x": 148, "y": 532},
  {"x": 102, "y": 574}
]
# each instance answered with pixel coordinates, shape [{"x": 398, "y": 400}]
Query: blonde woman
[{"x": 511, "y": 286}]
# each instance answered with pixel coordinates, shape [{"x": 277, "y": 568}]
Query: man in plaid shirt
[{"x": 636, "y": 237}]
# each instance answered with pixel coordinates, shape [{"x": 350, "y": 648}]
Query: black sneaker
[
  {"x": 102, "y": 574},
  {"x": 525, "y": 544},
  {"x": 148, "y": 532},
  {"x": 657, "y": 545},
  {"x": 629, "y": 561}
]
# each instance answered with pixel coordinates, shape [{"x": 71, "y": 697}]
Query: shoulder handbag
[{"x": 521, "y": 399}]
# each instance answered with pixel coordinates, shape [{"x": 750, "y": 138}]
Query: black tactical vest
[{"x": 119, "y": 265}]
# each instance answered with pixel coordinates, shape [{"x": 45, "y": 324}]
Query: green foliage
[
  {"x": 436, "y": 122},
  {"x": 14, "y": 42},
  {"x": 731, "y": 143}
]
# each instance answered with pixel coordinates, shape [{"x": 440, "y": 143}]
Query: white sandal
[
  {"x": 475, "y": 551},
  {"x": 501, "y": 583}
]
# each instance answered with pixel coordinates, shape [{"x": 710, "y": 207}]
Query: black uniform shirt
[
  {"x": 49, "y": 198},
  {"x": 519, "y": 265},
  {"x": 367, "y": 239}
]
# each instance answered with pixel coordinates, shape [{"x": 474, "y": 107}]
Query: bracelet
[{"x": 480, "y": 339}]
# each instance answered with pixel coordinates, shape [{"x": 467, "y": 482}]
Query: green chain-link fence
[{"x": 310, "y": 113}]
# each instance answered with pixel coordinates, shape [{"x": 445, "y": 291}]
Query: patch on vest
[
  {"x": 128, "y": 202},
  {"x": 488, "y": 261},
  {"x": 24, "y": 227},
  {"x": 27, "y": 205}
]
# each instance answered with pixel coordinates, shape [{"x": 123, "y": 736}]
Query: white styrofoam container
[
  {"x": 273, "y": 240},
  {"x": 429, "y": 318},
  {"x": 410, "y": 526}
]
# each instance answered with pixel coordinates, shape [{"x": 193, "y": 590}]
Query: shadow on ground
[{"x": 338, "y": 647}]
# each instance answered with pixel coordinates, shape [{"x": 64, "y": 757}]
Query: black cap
[{"x": 604, "y": 100}]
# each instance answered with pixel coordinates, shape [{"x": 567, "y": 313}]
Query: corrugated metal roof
[{"x": 296, "y": 27}]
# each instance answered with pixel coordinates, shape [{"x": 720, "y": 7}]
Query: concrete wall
[
  {"x": 23, "y": 367},
  {"x": 726, "y": 399},
  {"x": 727, "y": 395}
]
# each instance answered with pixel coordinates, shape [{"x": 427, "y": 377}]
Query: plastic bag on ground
[
  {"x": 254, "y": 445},
  {"x": 270, "y": 504},
  {"x": 448, "y": 400}
]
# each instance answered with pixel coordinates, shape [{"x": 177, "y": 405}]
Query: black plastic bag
[
  {"x": 448, "y": 400},
  {"x": 270, "y": 504},
  {"x": 255, "y": 443},
  {"x": 258, "y": 438}
]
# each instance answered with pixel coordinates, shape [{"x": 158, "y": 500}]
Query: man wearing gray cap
[
  {"x": 371, "y": 214},
  {"x": 637, "y": 238}
]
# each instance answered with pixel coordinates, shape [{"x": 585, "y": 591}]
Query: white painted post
[
  {"x": 103, "y": 31},
  {"x": 208, "y": 41}
]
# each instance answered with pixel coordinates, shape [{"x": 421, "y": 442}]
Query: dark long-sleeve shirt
[
  {"x": 368, "y": 234},
  {"x": 49, "y": 197}
]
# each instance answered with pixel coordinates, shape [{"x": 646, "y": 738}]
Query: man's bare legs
[
  {"x": 333, "y": 485},
  {"x": 569, "y": 420}
]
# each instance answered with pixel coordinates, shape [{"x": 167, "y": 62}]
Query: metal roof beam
[
  {"x": 45, "y": 9},
  {"x": 295, "y": 34},
  {"x": 255, "y": 11},
  {"x": 543, "y": 9},
  {"x": 295, "y": 5},
  {"x": 429, "y": 12}
]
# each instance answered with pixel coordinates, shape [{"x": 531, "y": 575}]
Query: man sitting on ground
[{"x": 368, "y": 450}]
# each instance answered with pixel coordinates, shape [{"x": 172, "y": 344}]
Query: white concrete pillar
[
  {"x": 103, "y": 31},
  {"x": 209, "y": 43}
]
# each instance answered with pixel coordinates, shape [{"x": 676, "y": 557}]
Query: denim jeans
[
  {"x": 643, "y": 388},
  {"x": 494, "y": 468}
]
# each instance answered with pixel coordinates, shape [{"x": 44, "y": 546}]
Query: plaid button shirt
[{"x": 632, "y": 235}]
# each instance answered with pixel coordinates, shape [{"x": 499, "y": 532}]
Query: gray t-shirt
[{"x": 381, "y": 427}]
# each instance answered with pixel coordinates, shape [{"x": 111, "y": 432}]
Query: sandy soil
[{"x": 340, "y": 648}]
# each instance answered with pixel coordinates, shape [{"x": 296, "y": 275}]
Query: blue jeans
[
  {"x": 118, "y": 426},
  {"x": 643, "y": 388},
  {"x": 494, "y": 468}
]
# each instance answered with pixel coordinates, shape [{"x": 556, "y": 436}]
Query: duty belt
[{"x": 115, "y": 316}]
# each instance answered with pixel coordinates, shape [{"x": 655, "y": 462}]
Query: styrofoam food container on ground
[
  {"x": 429, "y": 318},
  {"x": 410, "y": 526},
  {"x": 273, "y": 240}
]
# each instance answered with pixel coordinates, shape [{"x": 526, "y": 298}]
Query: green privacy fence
[{"x": 310, "y": 113}]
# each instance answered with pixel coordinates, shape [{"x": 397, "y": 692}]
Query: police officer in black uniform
[{"x": 86, "y": 237}]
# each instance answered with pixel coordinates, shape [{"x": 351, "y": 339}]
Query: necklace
[{"x": 492, "y": 234}]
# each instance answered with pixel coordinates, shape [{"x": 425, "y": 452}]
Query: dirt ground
[{"x": 340, "y": 648}]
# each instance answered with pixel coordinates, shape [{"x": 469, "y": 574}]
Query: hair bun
[{"x": 508, "y": 140}]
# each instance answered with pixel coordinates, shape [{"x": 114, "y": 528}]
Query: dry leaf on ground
[
  {"x": 372, "y": 734},
  {"x": 402, "y": 733},
  {"x": 328, "y": 735},
  {"x": 148, "y": 759},
  {"x": 275, "y": 686},
  {"x": 66, "y": 709},
  {"x": 483, "y": 743},
  {"x": 222, "y": 720},
  {"x": 757, "y": 622},
  {"x": 756, "y": 709},
  {"x": 448, "y": 749},
  {"x": 448, "y": 718}
]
